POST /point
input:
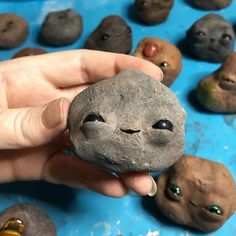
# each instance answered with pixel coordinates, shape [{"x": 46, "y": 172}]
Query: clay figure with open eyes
[
  {"x": 211, "y": 38},
  {"x": 211, "y": 4},
  {"x": 153, "y": 12},
  {"x": 112, "y": 35},
  {"x": 25, "y": 220},
  {"x": 217, "y": 92},
  {"x": 130, "y": 122},
  {"x": 163, "y": 54},
  {"x": 197, "y": 192}
]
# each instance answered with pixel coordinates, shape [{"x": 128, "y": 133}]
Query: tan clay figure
[
  {"x": 217, "y": 92},
  {"x": 163, "y": 54},
  {"x": 197, "y": 192}
]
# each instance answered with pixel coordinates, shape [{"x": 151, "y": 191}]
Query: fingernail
[
  {"x": 53, "y": 114},
  {"x": 162, "y": 75},
  {"x": 153, "y": 190}
]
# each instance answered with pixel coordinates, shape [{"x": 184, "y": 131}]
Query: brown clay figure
[
  {"x": 163, "y": 54},
  {"x": 211, "y": 38},
  {"x": 25, "y": 220},
  {"x": 61, "y": 28},
  {"x": 113, "y": 34},
  {"x": 29, "y": 52},
  {"x": 130, "y": 122},
  {"x": 217, "y": 92},
  {"x": 153, "y": 12},
  {"x": 14, "y": 31},
  {"x": 197, "y": 192},
  {"x": 211, "y": 4}
]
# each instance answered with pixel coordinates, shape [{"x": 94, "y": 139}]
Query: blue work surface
[{"x": 77, "y": 212}]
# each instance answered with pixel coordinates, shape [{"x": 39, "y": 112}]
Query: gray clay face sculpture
[
  {"x": 130, "y": 122},
  {"x": 153, "y": 12},
  {"x": 211, "y": 38},
  {"x": 217, "y": 92},
  {"x": 211, "y": 4},
  {"x": 14, "y": 31},
  {"x": 197, "y": 192},
  {"x": 112, "y": 35},
  {"x": 26, "y": 220},
  {"x": 61, "y": 28}
]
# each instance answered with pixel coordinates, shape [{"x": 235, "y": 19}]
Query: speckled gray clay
[
  {"x": 112, "y": 35},
  {"x": 211, "y": 4},
  {"x": 130, "y": 122},
  {"x": 211, "y": 38},
  {"x": 61, "y": 28},
  {"x": 36, "y": 222}
]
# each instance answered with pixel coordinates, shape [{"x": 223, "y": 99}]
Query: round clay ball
[
  {"x": 14, "y": 31},
  {"x": 29, "y": 52},
  {"x": 113, "y": 34},
  {"x": 211, "y": 38},
  {"x": 61, "y": 28},
  {"x": 130, "y": 122},
  {"x": 163, "y": 54},
  {"x": 210, "y": 4},
  {"x": 153, "y": 12},
  {"x": 27, "y": 218},
  {"x": 217, "y": 92}
]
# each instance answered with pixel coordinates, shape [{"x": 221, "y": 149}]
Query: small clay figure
[
  {"x": 61, "y": 28},
  {"x": 217, "y": 92},
  {"x": 153, "y": 12},
  {"x": 211, "y": 38},
  {"x": 113, "y": 34},
  {"x": 25, "y": 220},
  {"x": 211, "y": 4},
  {"x": 163, "y": 54},
  {"x": 29, "y": 52},
  {"x": 197, "y": 192},
  {"x": 14, "y": 31},
  {"x": 130, "y": 122}
]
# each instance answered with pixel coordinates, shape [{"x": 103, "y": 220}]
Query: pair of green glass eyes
[{"x": 178, "y": 193}]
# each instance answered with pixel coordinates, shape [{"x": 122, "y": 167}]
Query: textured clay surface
[
  {"x": 61, "y": 28},
  {"x": 163, "y": 54},
  {"x": 217, "y": 92},
  {"x": 153, "y": 12},
  {"x": 211, "y": 38},
  {"x": 29, "y": 52},
  {"x": 211, "y": 4},
  {"x": 14, "y": 31},
  {"x": 36, "y": 222},
  {"x": 197, "y": 192},
  {"x": 130, "y": 122},
  {"x": 113, "y": 34}
]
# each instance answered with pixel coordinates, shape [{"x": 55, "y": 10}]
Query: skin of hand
[{"x": 35, "y": 94}]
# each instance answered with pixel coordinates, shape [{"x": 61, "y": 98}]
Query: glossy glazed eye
[
  {"x": 175, "y": 190},
  {"x": 164, "y": 64},
  {"x": 93, "y": 118},
  {"x": 200, "y": 33},
  {"x": 163, "y": 124},
  {"x": 105, "y": 37},
  {"x": 226, "y": 37},
  {"x": 215, "y": 209},
  {"x": 128, "y": 30}
]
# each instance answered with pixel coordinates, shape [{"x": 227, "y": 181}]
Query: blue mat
[{"x": 77, "y": 212}]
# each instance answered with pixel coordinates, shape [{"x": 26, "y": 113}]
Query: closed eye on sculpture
[
  {"x": 163, "y": 124},
  {"x": 227, "y": 84},
  {"x": 93, "y": 118}
]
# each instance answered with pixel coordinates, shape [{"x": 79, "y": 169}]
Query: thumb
[{"x": 27, "y": 127}]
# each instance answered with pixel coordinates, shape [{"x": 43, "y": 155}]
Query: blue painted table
[{"x": 77, "y": 212}]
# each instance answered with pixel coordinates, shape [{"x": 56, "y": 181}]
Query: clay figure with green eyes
[
  {"x": 211, "y": 38},
  {"x": 113, "y": 34},
  {"x": 130, "y": 122},
  {"x": 197, "y": 192},
  {"x": 217, "y": 92}
]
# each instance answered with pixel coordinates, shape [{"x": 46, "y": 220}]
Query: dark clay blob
[
  {"x": 26, "y": 220},
  {"x": 211, "y": 4},
  {"x": 29, "y": 52},
  {"x": 130, "y": 122},
  {"x": 211, "y": 38},
  {"x": 197, "y": 192},
  {"x": 112, "y": 35},
  {"x": 61, "y": 28},
  {"x": 14, "y": 31},
  {"x": 153, "y": 12}
]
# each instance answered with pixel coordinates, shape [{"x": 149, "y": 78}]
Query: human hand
[{"x": 35, "y": 96}]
